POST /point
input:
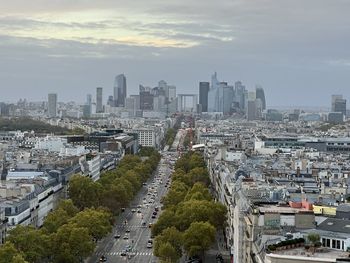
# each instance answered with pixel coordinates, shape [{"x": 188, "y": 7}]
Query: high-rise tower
[
  {"x": 260, "y": 94},
  {"x": 119, "y": 90},
  {"x": 52, "y": 105},
  {"x": 99, "y": 103},
  {"x": 203, "y": 95}
]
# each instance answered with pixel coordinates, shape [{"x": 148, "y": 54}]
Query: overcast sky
[{"x": 297, "y": 50}]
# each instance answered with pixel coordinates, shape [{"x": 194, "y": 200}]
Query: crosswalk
[
  {"x": 129, "y": 226},
  {"x": 118, "y": 253}
]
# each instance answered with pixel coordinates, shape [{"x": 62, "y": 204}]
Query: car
[
  {"x": 133, "y": 210},
  {"x": 144, "y": 184},
  {"x": 127, "y": 230},
  {"x": 149, "y": 245},
  {"x": 139, "y": 211},
  {"x": 103, "y": 259},
  {"x": 116, "y": 236},
  {"x": 150, "y": 225},
  {"x": 154, "y": 213},
  {"x": 156, "y": 208},
  {"x": 123, "y": 209},
  {"x": 123, "y": 253},
  {"x": 143, "y": 223},
  {"x": 150, "y": 241},
  {"x": 154, "y": 216},
  {"x": 126, "y": 236},
  {"x": 139, "y": 206}
]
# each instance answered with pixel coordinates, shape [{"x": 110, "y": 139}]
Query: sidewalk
[{"x": 218, "y": 248}]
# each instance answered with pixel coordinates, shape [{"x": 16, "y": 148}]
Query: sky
[{"x": 297, "y": 50}]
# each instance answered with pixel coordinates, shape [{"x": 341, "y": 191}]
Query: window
[
  {"x": 338, "y": 244},
  {"x": 328, "y": 243},
  {"x": 333, "y": 243}
]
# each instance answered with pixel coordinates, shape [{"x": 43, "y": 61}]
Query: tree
[
  {"x": 198, "y": 192},
  {"x": 199, "y": 174},
  {"x": 31, "y": 242},
  {"x": 313, "y": 238},
  {"x": 84, "y": 192},
  {"x": 198, "y": 238},
  {"x": 68, "y": 206},
  {"x": 55, "y": 219},
  {"x": 200, "y": 210},
  {"x": 165, "y": 220},
  {"x": 173, "y": 251},
  {"x": 96, "y": 221},
  {"x": 115, "y": 197},
  {"x": 167, "y": 253},
  {"x": 9, "y": 254},
  {"x": 71, "y": 244},
  {"x": 176, "y": 194}
]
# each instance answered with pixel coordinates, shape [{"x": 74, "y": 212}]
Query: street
[{"x": 130, "y": 240}]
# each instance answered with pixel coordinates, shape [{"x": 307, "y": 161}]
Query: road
[{"x": 136, "y": 220}]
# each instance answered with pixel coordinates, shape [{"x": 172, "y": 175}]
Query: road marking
[{"x": 118, "y": 253}]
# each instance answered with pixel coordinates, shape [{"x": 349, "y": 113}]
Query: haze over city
[{"x": 296, "y": 50}]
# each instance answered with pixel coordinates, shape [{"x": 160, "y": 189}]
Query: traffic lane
[{"x": 138, "y": 234}]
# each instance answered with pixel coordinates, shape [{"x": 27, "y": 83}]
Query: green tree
[
  {"x": 198, "y": 238},
  {"x": 167, "y": 253},
  {"x": 98, "y": 222},
  {"x": 71, "y": 244},
  {"x": 198, "y": 192},
  {"x": 173, "y": 237},
  {"x": 166, "y": 219},
  {"x": 176, "y": 194},
  {"x": 30, "y": 241},
  {"x": 60, "y": 216},
  {"x": 84, "y": 192},
  {"x": 9, "y": 254},
  {"x": 199, "y": 174},
  {"x": 115, "y": 197},
  {"x": 200, "y": 210}
]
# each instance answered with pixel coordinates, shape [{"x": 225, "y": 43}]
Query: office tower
[
  {"x": 240, "y": 95},
  {"x": 251, "y": 103},
  {"x": 215, "y": 95},
  {"x": 171, "y": 92},
  {"x": 52, "y": 105},
  {"x": 136, "y": 101},
  {"x": 110, "y": 101},
  {"x": 260, "y": 94},
  {"x": 203, "y": 95},
  {"x": 334, "y": 98},
  {"x": 99, "y": 103},
  {"x": 338, "y": 104},
  {"x": 87, "y": 107},
  {"x": 228, "y": 96},
  {"x": 146, "y": 98},
  {"x": 130, "y": 105},
  {"x": 119, "y": 90}
]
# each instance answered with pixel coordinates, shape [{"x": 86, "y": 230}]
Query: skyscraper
[
  {"x": 146, "y": 98},
  {"x": 99, "y": 104},
  {"x": 52, "y": 105},
  {"x": 203, "y": 95},
  {"x": 119, "y": 90},
  {"x": 240, "y": 95},
  {"x": 88, "y": 106},
  {"x": 260, "y": 94},
  {"x": 339, "y": 104}
]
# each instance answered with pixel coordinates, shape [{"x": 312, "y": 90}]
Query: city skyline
[{"x": 293, "y": 49}]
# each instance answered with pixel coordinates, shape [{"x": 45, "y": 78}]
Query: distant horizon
[{"x": 298, "y": 51}]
